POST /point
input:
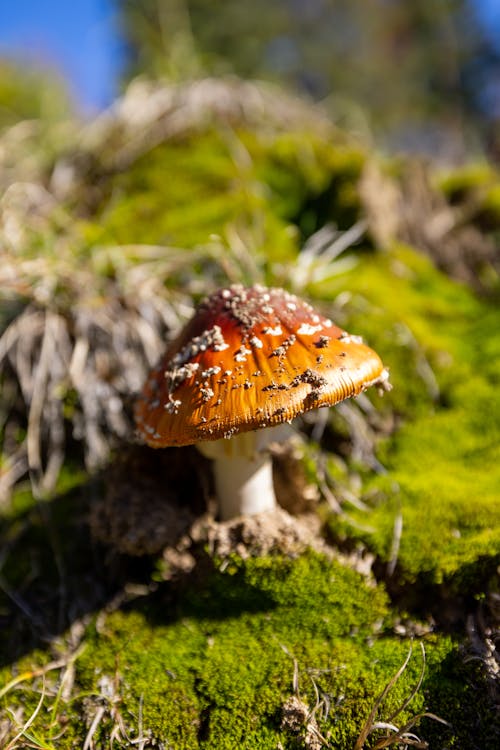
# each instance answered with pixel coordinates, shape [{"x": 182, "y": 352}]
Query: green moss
[
  {"x": 148, "y": 204},
  {"x": 256, "y": 182},
  {"x": 447, "y": 498},
  {"x": 461, "y": 182},
  {"x": 214, "y": 671},
  {"x": 441, "y": 345},
  {"x": 212, "y": 666},
  {"x": 471, "y": 712},
  {"x": 209, "y": 664},
  {"x": 476, "y": 187},
  {"x": 30, "y": 95}
]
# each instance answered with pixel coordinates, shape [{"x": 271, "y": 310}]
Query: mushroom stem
[
  {"x": 244, "y": 486},
  {"x": 243, "y": 472}
]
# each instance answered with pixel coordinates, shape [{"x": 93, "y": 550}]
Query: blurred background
[{"x": 411, "y": 75}]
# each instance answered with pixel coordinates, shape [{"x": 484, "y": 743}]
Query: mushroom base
[{"x": 243, "y": 472}]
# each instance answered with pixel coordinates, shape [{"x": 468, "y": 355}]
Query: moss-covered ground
[
  {"x": 97, "y": 649},
  {"x": 210, "y": 662},
  {"x": 442, "y": 346}
]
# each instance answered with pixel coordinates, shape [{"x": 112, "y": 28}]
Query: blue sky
[{"x": 80, "y": 39}]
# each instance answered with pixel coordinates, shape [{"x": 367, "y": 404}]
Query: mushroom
[{"x": 250, "y": 358}]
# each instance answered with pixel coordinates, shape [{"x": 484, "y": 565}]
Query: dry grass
[
  {"x": 300, "y": 720},
  {"x": 393, "y": 735},
  {"x": 81, "y": 325},
  {"x": 71, "y": 367},
  {"x": 42, "y": 728},
  {"x": 84, "y": 328}
]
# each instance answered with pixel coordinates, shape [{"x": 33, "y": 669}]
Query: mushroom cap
[{"x": 250, "y": 358}]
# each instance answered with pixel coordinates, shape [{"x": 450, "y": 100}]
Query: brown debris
[
  {"x": 414, "y": 211},
  {"x": 149, "y": 501},
  {"x": 296, "y": 718},
  {"x": 272, "y": 532},
  {"x": 294, "y": 492}
]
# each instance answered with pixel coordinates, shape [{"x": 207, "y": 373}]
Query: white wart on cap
[{"x": 250, "y": 358}]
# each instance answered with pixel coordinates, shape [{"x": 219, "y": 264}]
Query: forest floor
[{"x": 365, "y": 613}]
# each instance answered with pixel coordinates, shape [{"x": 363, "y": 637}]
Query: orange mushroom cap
[{"x": 250, "y": 358}]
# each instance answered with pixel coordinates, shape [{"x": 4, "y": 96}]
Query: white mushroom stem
[{"x": 243, "y": 471}]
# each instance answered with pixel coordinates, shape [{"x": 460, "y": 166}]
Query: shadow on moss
[
  {"x": 451, "y": 601},
  {"x": 459, "y": 691},
  {"x": 53, "y": 572}
]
